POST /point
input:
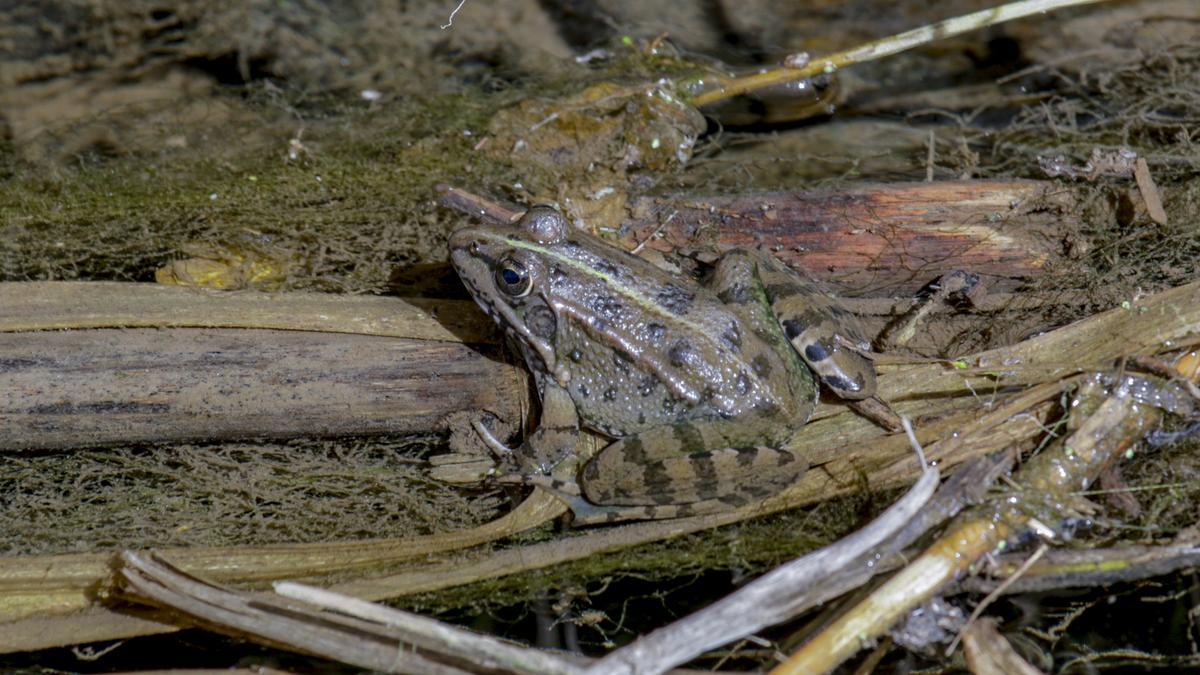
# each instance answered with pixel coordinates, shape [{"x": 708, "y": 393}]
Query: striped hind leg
[{"x": 667, "y": 473}]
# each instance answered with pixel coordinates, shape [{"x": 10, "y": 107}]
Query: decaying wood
[
  {"x": 886, "y": 239},
  {"x": 335, "y": 365},
  {"x": 881, "y": 239}
]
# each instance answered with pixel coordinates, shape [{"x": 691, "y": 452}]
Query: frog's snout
[{"x": 464, "y": 251}]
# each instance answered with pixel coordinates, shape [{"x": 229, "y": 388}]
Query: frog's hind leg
[
  {"x": 625, "y": 481},
  {"x": 827, "y": 336}
]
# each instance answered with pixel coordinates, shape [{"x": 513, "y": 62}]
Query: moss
[
  {"x": 229, "y": 495},
  {"x": 353, "y": 200}
]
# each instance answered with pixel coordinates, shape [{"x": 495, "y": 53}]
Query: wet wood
[
  {"x": 107, "y": 386},
  {"x": 882, "y": 239}
]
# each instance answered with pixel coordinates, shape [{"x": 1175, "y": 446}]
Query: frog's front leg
[
  {"x": 668, "y": 472},
  {"x": 551, "y": 449}
]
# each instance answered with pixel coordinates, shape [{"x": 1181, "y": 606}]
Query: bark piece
[{"x": 881, "y": 238}]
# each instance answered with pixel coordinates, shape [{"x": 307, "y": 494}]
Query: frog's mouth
[{"x": 476, "y": 274}]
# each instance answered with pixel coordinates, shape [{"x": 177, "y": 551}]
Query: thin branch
[{"x": 880, "y": 48}]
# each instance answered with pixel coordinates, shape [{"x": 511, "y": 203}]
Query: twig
[
  {"x": 450, "y": 19},
  {"x": 884, "y": 47},
  {"x": 368, "y": 637},
  {"x": 1149, "y": 191},
  {"x": 476, "y": 205}
]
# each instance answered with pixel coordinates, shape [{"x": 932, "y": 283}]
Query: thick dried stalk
[
  {"x": 1116, "y": 424},
  {"x": 58, "y": 305},
  {"x": 70, "y": 389}
]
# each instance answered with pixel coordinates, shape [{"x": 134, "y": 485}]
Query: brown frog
[{"x": 700, "y": 385}]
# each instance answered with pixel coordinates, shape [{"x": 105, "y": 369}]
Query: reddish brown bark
[{"x": 881, "y": 239}]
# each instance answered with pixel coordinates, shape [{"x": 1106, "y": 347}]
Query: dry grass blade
[
  {"x": 58, "y": 305},
  {"x": 988, "y": 653}
]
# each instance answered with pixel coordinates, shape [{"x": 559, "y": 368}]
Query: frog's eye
[{"x": 513, "y": 278}]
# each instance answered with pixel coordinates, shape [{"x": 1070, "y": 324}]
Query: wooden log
[
  {"x": 316, "y": 365},
  {"x": 108, "y": 386}
]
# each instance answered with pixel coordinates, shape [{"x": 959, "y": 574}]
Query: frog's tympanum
[{"x": 701, "y": 385}]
